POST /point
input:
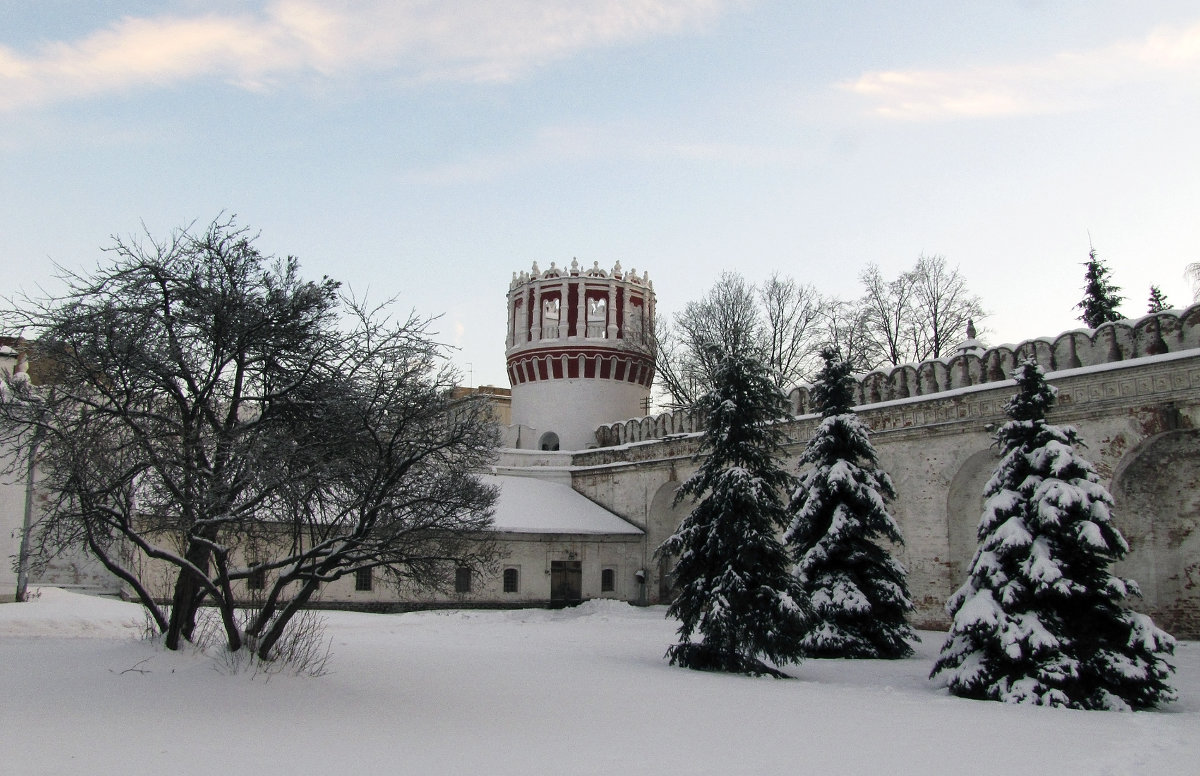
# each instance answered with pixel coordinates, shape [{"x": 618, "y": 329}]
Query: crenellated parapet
[
  {"x": 573, "y": 322},
  {"x": 1169, "y": 331}
]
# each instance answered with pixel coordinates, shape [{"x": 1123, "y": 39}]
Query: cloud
[
  {"x": 1064, "y": 82},
  {"x": 420, "y": 40}
]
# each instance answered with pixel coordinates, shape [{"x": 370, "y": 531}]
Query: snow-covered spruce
[
  {"x": 858, "y": 592},
  {"x": 1040, "y": 618},
  {"x": 735, "y": 587}
]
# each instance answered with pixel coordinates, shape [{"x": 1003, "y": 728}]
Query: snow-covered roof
[{"x": 532, "y": 505}]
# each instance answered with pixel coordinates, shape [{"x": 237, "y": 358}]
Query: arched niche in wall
[
  {"x": 964, "y": 506},
  {"x": 1156, "y": 487},
  {"x": 548, "y": 441}
]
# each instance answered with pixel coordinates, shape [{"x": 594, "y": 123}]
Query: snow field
[{"x": 582, "y": 691}]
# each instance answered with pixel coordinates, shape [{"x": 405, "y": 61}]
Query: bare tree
[
  {"x": 1192, "y": 273},
  {"x": 845, "y": 329},
  {"x": 792, "y": 328},
  {"x": 209, "y": 412},
  {"x": 921, "y": 314},
  {"x": 689, "y": 349},
  {"x": 888, "y": 309},
  {"x": 942, "y": 306}
]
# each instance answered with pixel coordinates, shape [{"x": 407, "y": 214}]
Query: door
[{"x": 566, "y": 581}]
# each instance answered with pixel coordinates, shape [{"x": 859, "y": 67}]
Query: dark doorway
[{"x": 566, "y": 582}]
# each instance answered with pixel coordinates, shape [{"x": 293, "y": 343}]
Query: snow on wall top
[{"x": 532, "y": 505}]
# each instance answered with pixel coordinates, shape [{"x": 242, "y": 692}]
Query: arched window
[
  {"x": 550, "y": 313},
  {"x": 597, "y": 317},
  {"x": 512, "y": 579},
  {"x": 549, "y": 441},
  {"x": 608, "y": 580}
]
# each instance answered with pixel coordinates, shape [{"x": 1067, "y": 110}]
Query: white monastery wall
[{"x": 1138, "y": 418}]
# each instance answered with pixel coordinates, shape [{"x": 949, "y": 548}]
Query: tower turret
[{"x": 580, "y": 352}]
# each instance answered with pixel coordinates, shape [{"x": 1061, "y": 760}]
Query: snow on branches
[
  {"x": 839, "y": 513},
  {"x": 735, "y": 587},
  {"x": 1040, "y": 618}
]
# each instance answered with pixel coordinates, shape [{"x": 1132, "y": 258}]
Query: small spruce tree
[
  {"x": 858, "y": 592},
  {"x": 1100, "y": 299},
  {"x": 1040, "y": 618},
  {"x": 735, "y": 586},
  {"x": 1158, "y": 301}
]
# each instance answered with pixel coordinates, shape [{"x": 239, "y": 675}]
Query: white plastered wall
[{"x": 574, "y": 408}]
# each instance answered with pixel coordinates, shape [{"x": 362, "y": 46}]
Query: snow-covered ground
[{"x": 576, "y": 691}]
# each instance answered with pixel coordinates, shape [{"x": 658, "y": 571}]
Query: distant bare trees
[
  {"x": 1192, "y": 273},
  {"x": 920, "y": 314},
  {"x": 779, "y": 323}
]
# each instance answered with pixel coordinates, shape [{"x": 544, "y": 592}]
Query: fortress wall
[{"x": 1139, "y": 419}]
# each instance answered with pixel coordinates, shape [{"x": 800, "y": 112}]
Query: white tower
[{"x": 580, "y": 351}]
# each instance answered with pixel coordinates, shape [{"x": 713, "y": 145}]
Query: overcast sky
[{"x": 426, "y": 150}]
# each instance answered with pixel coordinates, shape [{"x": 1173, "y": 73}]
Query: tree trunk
[
  {"x": 186, "y": 599},
  {"x": 273, "y": 634}
]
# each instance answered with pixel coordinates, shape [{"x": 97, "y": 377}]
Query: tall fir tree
[
  {"x": 858, "y": 592},
  {"x": 1100, "y": 298},
  {"x": 1158, "y": 301},
  {"x": 1040, "y": 618},
  {"x": 735, "y": 586}
]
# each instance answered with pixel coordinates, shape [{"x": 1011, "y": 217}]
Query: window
[
  {"x": 511, "y": 580},
  {"x": 608, "y": 580},
  {"x": 362, "y": 579},
  {"x": 257, "y": 579},
  {"x": 462, "y": 580}
]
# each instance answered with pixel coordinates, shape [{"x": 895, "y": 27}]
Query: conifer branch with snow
[
  {"x": 858, "y": 592},
  {"x": 1041, "y": 618},
  {"x": 735, "y": 588}
]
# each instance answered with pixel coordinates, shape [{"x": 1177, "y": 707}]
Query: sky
[{"x": 424, "y": 151}]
